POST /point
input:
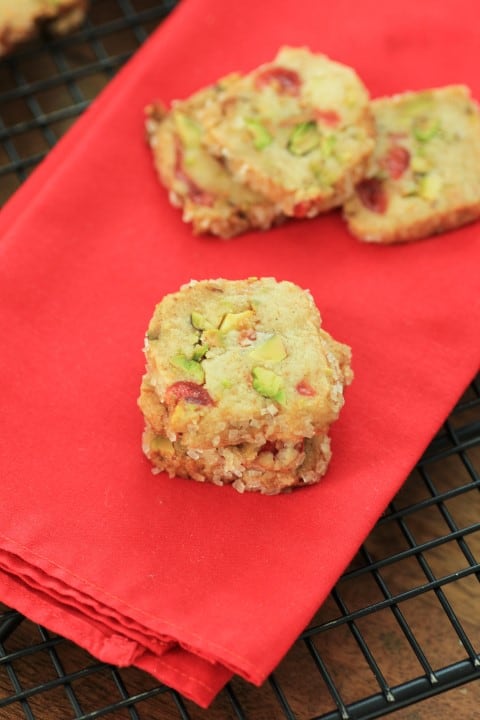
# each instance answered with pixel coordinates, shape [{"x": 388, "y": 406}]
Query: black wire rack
[{"x": 402, "y": 624}]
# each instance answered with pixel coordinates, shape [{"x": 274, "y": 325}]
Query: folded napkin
[{"x": 193, "y": 582}]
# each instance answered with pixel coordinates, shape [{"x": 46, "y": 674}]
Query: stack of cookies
[
  {"x": 290, "y": 139},
  {"x": 242, "y": 385},
  {"x": 299, "y": 135}
]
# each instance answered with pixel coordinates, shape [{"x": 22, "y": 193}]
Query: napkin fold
[{"x": 193, "y": 582}]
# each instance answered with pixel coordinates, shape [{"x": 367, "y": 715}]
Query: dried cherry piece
[
  {"x": 372, "y": 194},
  {"x": 189, "y": 391},
  {"x": 197, "y": 195},
  {"x": 327, "y": 117},
  {"x": 283, "y": 79},
  {"x": 304, "y": 388},
  {"x": 396, "y": 161}
]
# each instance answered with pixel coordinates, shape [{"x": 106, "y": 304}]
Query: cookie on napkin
[
  {"x": 298, "y": 130},
  {"x": 198, "y": 182},
  {"x": 424, "y": 175},
  {"x": 242, "y": 385}
]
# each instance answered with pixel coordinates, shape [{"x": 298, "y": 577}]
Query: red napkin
[{"x": 193, "y": 582}]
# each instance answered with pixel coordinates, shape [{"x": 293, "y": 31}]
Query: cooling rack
[{"x": 400, "y": 632}]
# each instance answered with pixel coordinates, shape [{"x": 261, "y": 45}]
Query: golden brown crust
[
  {"x": 417, "y": 230},
  {"x": 269, "y": 468}
]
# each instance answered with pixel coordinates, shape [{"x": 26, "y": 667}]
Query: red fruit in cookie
[
  {"x": 305, "y": 208},
  {"x": 327, "y": 117},
  {"x": 396, "y": 161},
  {"x": 283, "y": 79},
  {"x": 372, "y": 194},
  {"x": 269, "y": 446},
  {"x": 189, "y": 391},
  {"x": 304, "y": 388},
  {"x": 195, "y": 193}
]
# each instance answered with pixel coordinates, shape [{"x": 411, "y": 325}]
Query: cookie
[
  {"x": 298, "y": 130},
  {"x": 269, "y": 468},
  {"x": 198, "y": 182},
  {"x": 424, "y": 175},
  {"x": 239, "y": 376},
  {"x": 21, "y": 19}
]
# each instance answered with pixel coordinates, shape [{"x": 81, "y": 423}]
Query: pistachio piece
[
  {"x": 305, "y": 137},
  {"x": 162, "y": 445},
  {"x": 212, "y": 338},
  {"x": 425, "y": 128},
  {"x": 260, "y": 135},
  {"x": 237, "y": 321},
  {"x": 327, "y": 144},
  {"x": 419, "y": 164},
  {"x": 430, "y": 186},
  {"x": 268, "y": 384},
  {"x": 199, "y": 322},
  {"x": 190, "y": 133},
  {"x": 199, "y": 352},
  {"x": 190, "y": 366},
  {"x": 272, "y": 350}
]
